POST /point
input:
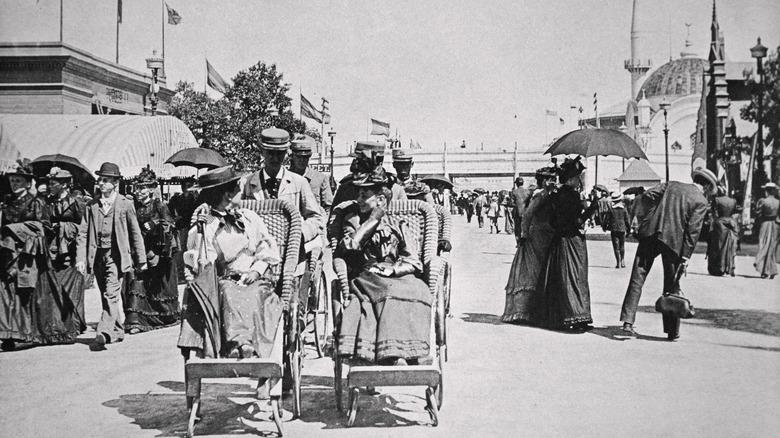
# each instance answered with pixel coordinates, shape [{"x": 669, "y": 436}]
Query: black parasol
[{"x": 81, "y": 175}]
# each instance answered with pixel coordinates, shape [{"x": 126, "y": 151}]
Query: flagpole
[
  {"x": 61, "y": 21},
  {"x": 162, "y": 5},
  {"x": 117, "y": 35}
]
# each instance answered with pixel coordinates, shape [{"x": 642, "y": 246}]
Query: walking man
[
  {"x": 670, "y": 217},
  {"x": 111, "y": 245}
]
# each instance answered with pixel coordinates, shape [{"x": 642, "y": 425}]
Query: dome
[{"x": 680, "y": 77}]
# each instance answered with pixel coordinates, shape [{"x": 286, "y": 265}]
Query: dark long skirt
[
  {"x": 387, "y": 318},
  {"x": 722, "y": 247},
  {"x": 768, "y": 238},
  {"x": 152, "y": 298},
  {"x": 527, "y": 265},
  {"x": 562, "y": 296}
]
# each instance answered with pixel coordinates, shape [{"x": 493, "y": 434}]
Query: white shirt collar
[{"x": 108, "y": 201}]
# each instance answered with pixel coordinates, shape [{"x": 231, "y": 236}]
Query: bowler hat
[
  {"x": 709, "y": 176},
  {"x": 109, "y": 169},
  {"x": 217, "y": 177},
  {"x": 303, "y": 145},
  {"x": 402, "y": 155},
  {"x": 274, "y": 139}
]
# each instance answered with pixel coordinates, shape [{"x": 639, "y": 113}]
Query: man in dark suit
[
  {"x": 520, "y": 197},
  {"x": 670, "y": 217},
  {"x": 109, "y": 247},
  {"x": 302, "y": 150}
]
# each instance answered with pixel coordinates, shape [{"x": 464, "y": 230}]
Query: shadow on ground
[
  {"x": 751, "y": 321},
  {"x": 229, "y": 408},
  {"x": 482, "y": 318}
]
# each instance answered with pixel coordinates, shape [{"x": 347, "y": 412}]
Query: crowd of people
[{"x": 136, "y": 246}]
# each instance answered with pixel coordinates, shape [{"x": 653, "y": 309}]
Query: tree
[
  {"x": 771, "y": 107},
  {"x": 232, "y": 124}
]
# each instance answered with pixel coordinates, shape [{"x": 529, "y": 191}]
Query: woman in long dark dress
[
  {"x": 23, "y": 261},
  {"x": 532, "y": 250},
  {"x": 769, "y": 232},
  {"x": 152, "y": 297},
  {"x": 562, "y": 298},
  {"x": 722, "y": 245},
  {"x": 388, "y": 318}
]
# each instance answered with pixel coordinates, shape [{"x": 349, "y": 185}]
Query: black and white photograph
[{"x": 351, "y": 218}]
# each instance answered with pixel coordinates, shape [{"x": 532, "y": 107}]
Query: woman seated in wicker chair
[
  {"x": 388, "y": 317},
  {"x": 240, "y": 316}
]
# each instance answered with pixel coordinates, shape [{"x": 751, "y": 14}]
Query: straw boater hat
[
  {"x": 709, "y": 176},
  {"x": 402, "y": 155},
  {"x": 366, "y": 147},
  {"x": 217, "y": 177},
  {"x": 274, "y": 139},
  {"x": 303, "y": 145},
  {"x": 616, "y": 197},
  {"x": 769, "y": 185}
]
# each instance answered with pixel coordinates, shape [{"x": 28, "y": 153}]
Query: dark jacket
[
  {"x": 673, "y": 213},
  {"x": 619, "y": 222},
  {"x": 520, "y": 197}
]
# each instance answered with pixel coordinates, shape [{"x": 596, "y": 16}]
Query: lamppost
[
  {"x": 332, "y": 135},
  {"x": 759, "y": 52},
  {"x": 665, "y": 105},
  {"x": 155, "y": 63}
]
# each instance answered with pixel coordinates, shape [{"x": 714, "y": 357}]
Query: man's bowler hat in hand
[
  {"x": 274, "y": 139},
  {"x": 109, "y": 169},
  {"x": 217, "y": 177}
]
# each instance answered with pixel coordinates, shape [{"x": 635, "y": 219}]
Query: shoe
[
  {"x": 622, "y": 264},
  {"x": 400, "y": 362},
  {"x": 771, "y": 277},
  {"x": 629, "y": 328},
  {"x": 673, "y": 336},
  {"x": 247, "y": 351},
  {"x": 617, "y": 266},
  {"x": 134, "y": 331},
  {"x": 99, "y": 344},
  {"x": 8, "y": 345},
  {"x": 234, "y": 354}
]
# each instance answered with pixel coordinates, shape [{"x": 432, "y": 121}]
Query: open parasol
[
  {"x": 81, "y": 175},
  {"x": 436, "y": 180},
  {"x": 594, "y": 142},
  {"x": 480, "y": 191},
  {"x": 199, "y": 158},
  {"x": 634, "y": 190}
]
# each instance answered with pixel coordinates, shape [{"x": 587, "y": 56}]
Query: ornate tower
[
  {"x": 717, "y": 93},
  {"x": 638, "y": 66}
]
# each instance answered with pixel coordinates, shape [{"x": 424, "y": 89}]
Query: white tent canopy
[{"x": 132, "y": 142}]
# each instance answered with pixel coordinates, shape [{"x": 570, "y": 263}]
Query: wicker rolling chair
[
  {"x": 284, "y": 223},
  {"x": 445, "y": 233},
  {"x": 424, "y": 226}
]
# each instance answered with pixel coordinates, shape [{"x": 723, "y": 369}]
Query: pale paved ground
[{"x": 721, "y": 379}]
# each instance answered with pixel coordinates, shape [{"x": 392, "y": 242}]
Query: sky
[{"x": 484, "y": 72}]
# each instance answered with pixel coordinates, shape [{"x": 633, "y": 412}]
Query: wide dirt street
[{"x": 721, "y": 379}]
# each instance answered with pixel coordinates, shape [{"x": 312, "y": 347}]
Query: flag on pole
[
  {"x": 214, "y": 79},
  {"x": 550, "y": 113},
  {"x": 562, "y": 121},
  {"x": 380, "y": 128},
  {"x": 173, "y": 17},
  {"x": 118, "y": 11},
  {"x": 308, "y": 110},
  {"x": 417, "y": 145}
]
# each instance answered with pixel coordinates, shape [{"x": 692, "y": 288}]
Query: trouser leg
[
  {"x": 110, "y": 280},
  {"x": 671, "y": 263},
  {"x": 646, "y": 253}
]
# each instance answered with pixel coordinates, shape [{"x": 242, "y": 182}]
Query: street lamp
[
  {"x": 759, "y": 52},
  {"x": 155, "y": 63},
  {"x": 332, "y": 135},
  {"x": 665, "y": 105}
]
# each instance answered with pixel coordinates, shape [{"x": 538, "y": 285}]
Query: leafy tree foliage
[
  {"x": 771, "y": 107},
  {"x": 232, "y": 124}
]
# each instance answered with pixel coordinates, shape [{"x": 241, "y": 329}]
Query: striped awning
[{"x": 132, "y": 142}]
